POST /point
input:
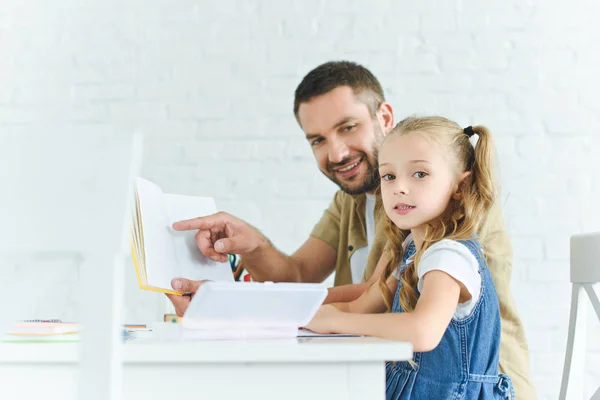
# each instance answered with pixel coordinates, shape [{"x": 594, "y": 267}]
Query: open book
[
  {"x": 161, "y": 253},
  {"x": 251, "y": 310}
]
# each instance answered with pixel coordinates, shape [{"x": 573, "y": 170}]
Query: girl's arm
[
  {"x": 371, "y": 299},
  {"x": 349, "y": 293},
  {"x": 423, "y": 327}
]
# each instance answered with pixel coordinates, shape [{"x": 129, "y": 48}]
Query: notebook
[
  {"x": 161, "y": 253},
  {"x": 251, "y": 310}
]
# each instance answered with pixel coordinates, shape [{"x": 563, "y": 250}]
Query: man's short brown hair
[{"x": 333, "y": 74}]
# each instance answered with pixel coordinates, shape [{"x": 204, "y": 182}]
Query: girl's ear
[{"x": 462, "y": 179}]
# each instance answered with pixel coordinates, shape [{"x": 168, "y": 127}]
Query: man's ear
[
  {"x": 462, "y": 179},
  {"x": 385, "y": 116}
]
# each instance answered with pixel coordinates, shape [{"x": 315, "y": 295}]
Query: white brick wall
[{"x": 211, "y": 84}]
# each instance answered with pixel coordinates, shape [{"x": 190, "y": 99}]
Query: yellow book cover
[{"x": 160, "y": 253}]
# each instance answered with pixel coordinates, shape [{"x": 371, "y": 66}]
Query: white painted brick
[
  {"x": 53, "y": 113},
  {"x": 532, "y": 224},
  {"x": 528, "y": 248},
  {"x": 551, "y": 318},
  {"x": 46, "y": 94},
  {"x": 447, "y": 82},
  {"x": 197, "y": 111},
  {"x": 549, "y": 271},
  {"x": 137, "y": 111},
  {"x": 590, "y": 215},
  {"x": 593, "y": 327},
  {"x": 536, "y": 149},
  {"x": 166, "y": 151},
  {"x": 323, "y": 188},
  {"x": 292, "y": 168},
  {"x": 200, "y": 152},
  {"x": 93, "y": 74},
  {"x": 557, "y": 245},
  {"x": 270, "y": 150},
  {"x": 289, "y": 189},
  {"x": 442, "y": 18},
  {"x": 294, "y": 27},
  {"x": 103, "y": 92},
  {"x": 174, "y": 130},
  {"x": 229, "y": 128},
  {"x": 119, "y": 55},
  {"x": 239, "y": 150},
  {"x": 6, "y": 95},
  {"x": 283, "y": 125},
  {"x": 299, "y": 149},
  {"x": 171, "y": 90},
  {"x": 544, "y": 363}
]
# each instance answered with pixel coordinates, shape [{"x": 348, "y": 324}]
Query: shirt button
[{"x": 350, "y": 248}]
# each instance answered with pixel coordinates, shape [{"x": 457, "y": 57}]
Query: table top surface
[{"x": 152, "y": 350}]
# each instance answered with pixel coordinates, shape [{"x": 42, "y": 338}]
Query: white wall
[{"x": 211, "y": 84}]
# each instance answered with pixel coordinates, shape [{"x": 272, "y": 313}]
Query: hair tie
[{"x": 469, "y": 131}]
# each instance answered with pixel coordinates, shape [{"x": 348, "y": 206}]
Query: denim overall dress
[{"x": 464, "y": 365}]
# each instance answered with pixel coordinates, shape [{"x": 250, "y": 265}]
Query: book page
[
  {"x": 161, "y": 256},
  {"x": 303, "y": 332},
  {"x": 192, "y": 263}
]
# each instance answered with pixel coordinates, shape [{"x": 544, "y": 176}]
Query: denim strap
[{"x": 503, "y": 384}]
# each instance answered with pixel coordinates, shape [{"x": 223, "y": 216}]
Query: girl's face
[{"x": 418, "y": 179}]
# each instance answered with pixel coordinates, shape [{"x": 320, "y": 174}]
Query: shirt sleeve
[
  {"x": 328, "y": 227},
  {"x": 457, "y": 261}
]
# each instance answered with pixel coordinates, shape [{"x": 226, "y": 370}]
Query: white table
[{"x": 303, "y": 369}]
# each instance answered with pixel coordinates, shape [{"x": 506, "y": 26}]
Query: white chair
[
  {"x": 585, "y": 275},
  {"x": 68, "y": 191}
]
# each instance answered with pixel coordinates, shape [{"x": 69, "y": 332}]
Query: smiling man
[{"x": 341, "y": 108}]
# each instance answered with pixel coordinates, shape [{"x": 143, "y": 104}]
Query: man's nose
[{"x": 338, "y": 151}]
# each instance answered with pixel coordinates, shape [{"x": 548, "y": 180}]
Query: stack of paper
[{"x": 43, "y": 332}]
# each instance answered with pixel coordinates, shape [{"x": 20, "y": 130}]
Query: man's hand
[
  {"x": 185, "y": 286},
  {"x": 221, "y": 233}
]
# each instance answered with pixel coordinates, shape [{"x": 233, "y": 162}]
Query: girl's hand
[{"x": 323, "y": 321}]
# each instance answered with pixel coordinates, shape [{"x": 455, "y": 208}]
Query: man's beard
[{"x": 371, "y": 179}]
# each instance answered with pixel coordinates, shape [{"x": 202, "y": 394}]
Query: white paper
[
  {"x": 308, "y": 333},
  {"x": 192, "y": 263},
  {"x": 174, "y": 254},
  {"x": 161, "y": 257}
]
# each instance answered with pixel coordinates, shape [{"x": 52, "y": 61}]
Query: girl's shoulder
[
  {"x": 457, "y": 260},
  {"x": 459, "y": 245}
]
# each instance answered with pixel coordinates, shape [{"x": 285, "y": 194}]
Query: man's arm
[
  {"x": 347, "y": 293},
  {"x": 222, "y": 233},
  {"x": 314, "y": 261}
]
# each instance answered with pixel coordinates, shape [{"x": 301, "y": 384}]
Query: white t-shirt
[
  {"x": 456, "y": 260},
  {"x": 358, "y": 261}
]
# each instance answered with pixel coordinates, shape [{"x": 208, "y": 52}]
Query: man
[{"x": 342, "y": 110}]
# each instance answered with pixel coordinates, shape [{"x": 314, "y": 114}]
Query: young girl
[{"x": 439, "y": 186}]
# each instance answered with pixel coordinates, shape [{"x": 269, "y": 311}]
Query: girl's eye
[
  {"x": 420, "y": 174},
  {"x": 388, "y": 177}
]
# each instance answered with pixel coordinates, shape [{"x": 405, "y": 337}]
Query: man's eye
[
  {"x": 348, "y": 128},
  {"x": 388, "y": 177},
  {"x": 420, "y": 174},
  {"x": 316, "y": 142}
]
